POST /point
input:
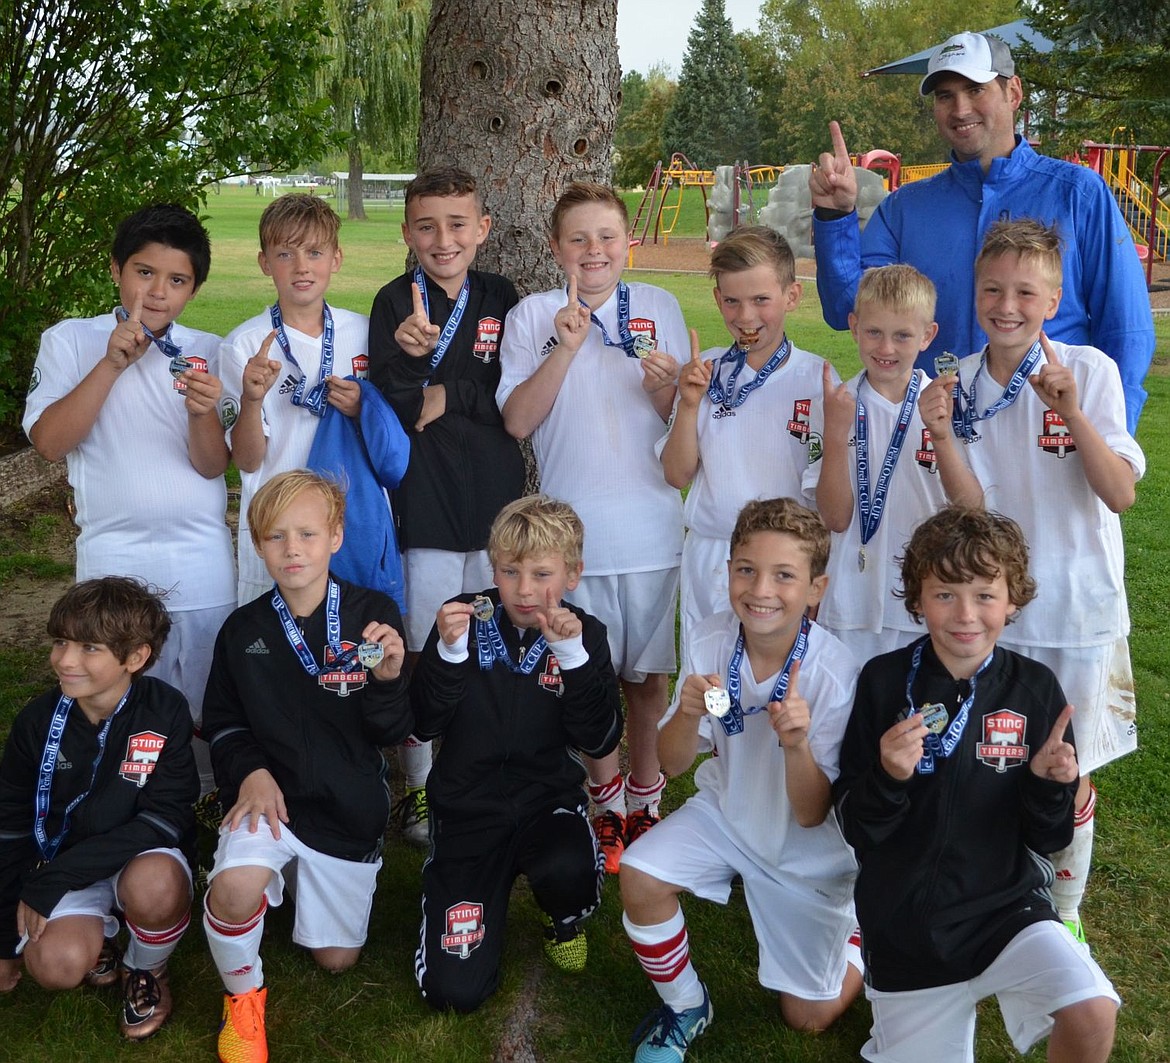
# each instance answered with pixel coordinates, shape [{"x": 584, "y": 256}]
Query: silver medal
[
  {"x": 861, "y": 560},
  {"x": 482, "y": 608},
  {"x": 946, "y": 363},
  {"x": 643, "y": 345},
  {"x": 717, "y": 701},
  {"x": 179, "y": 365},
  {"x": 370, "y": 654}
]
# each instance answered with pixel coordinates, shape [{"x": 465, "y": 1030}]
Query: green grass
[{"x": 374, "y": 1013}]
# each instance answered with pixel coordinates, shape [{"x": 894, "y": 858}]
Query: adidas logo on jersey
[
  {"x": 257, "y": 647},
  {"x": 549, "y": 345},
  {"x": 288, "y": 383}
]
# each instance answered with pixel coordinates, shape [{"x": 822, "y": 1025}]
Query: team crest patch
[
  {"x": 34, "y": 380},
  {"x": 360, "y": 366},
  {"x": 465, "y": 929},
  {"x": 487, "y": 338},
  {"x": 925, "y": 455},
  {"x": 229, "y": 412},
  {"x": 798, "y": 423},
  {"x": 1003, "y": 740},
  {"x": 550, "y": 679},
  {"x": 1055, "y": 438},
  {"x": 816, "y": 447},
  {"x": 196, "y": 363},
  {"x": 342, "y": 683},
  {"x": 142, "y": 752},
  {"x": 643, "y": 326}
]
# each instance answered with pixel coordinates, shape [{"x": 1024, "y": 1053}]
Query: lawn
[{"x": 374, "y": 1013}]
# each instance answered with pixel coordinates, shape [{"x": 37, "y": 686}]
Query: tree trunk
[
  {"x": 524, "y": 96},
  {"x": 357, "y": 175}
]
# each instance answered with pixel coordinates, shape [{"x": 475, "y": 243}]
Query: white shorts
[
  {"x": 1041, "y": 970},
  {"x": 434, "y": 576},
  {"x": 637, "y": 609},
  {"x": 702, "y": 582},
  {"x": 1098, "y": 683},
  {"x": 801, "y": 930},
  {"x": 333, "y": 897},
  {"x": 100, "y": 899}
]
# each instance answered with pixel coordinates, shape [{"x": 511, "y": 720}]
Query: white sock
[
  {"x": 235, "y": 948},
  {"x": 664, "y": 952},
  {"x": 414, "y": 757},
  {"x": 1072, "y": 864},
  {"x": 645, "y": 796},
  {"x": 609, "y": 796},
  {"x": 149, "y": 949}
]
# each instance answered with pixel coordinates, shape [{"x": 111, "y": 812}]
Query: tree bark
[
  {"x": 357, "y": 178},
  {"x": 525, "y": 97}
]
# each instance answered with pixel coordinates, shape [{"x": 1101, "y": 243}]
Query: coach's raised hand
[{"x": 831, "y": 181}]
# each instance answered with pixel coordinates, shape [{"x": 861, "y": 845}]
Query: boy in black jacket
[
  {"x": 96, "y": 808},
  {"x": 515, "y": 682},
  {"x": 958, "y": 772},
  {"x": 306, "y": 687}
]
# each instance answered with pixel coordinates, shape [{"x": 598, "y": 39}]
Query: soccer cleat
[
  {"x": 241, "y": 1033},
  {"x": 666, "y": 1034},
  {"x": 108, "y": 969},
  {"x": 569, "y": 955},
  {"x": 414, "y": 818},
  {"x": 146, "y": 1002},
  {"x": 610, "y": 829},
  {"x": 1077, "y": 929},
  {"x": 638, "y": 823}
]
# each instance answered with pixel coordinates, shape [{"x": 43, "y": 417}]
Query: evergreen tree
[{"x": 711, "y": 120}]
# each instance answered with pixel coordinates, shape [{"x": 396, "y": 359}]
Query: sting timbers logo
[
  {"x": 798, "y": 424},
  {"x": 643, "y": 326},
  {"x": 142, "y": 752},
  {"x": 360, "y": 366},
  {"x": 198, "y": 364},
  {"x": 465, "y": 929},
  {"x": 342, "y": 683},
  {"x": 925, "y": 455},
  {"x": 487, "y": 338},
  {"x": 550, "y": 679},
  {"x": 1003, "y": 740},
  {"x": 1055, "y": 438}
]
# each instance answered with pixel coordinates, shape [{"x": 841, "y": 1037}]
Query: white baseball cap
[{"x": 975, "y": 56}]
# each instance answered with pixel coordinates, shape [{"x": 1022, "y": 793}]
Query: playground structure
[{"x": 658, "y": 210}]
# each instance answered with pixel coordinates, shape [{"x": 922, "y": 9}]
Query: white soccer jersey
[
  {"x": 758, "y": 450},
  {"x": 142, "y": 508},
  {"x": 288, "y": 429},
  {"x": 744, "y": 783},
  {"x": 1028, "y": 465},
  {"x": 863, "y": 599},
  {"x": 595, "y": 449}
]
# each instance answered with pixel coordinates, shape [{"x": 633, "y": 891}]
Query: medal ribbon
[
  {"x": 49, "y": 846},
  {"x": 941, "y": 745},
  {"x": 724, "y": 395},
  {"x": 314, "y": 401},
  {"x": 966, "y": 408},
  {"x": 625, "y": 337},
  {"x": 452, "y": 326},
  {"x": 343, "y": 660},
  {"x": 490, "y": 645},
  {"x": 164, "y": 342},
  {"x": 870, "y": 508},
  {"x": 733, "y": 721}
]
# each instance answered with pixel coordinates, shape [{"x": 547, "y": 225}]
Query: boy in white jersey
[
  {"x": 769, "y": 692},
  {"x": 728, "y": 443},
  {"x": 1046, "y": 432},
  {"x": 132, "y": 401},
  {"x": 884, "y": 468},
  {"x": 592, "y": 378}
]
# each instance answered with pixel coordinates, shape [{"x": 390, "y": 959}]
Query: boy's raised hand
[
  {"x": 840, "y": 407},
  {"x": 128, "y": 341},
  {"x": 416, "y": 335},
  {"x": 695, "y": 377},
  {"x": 832, "y": 181},
  {"x": 260, "y": 372},
  {"x": 1055, "y": 383},
  {"x": 393, "y": 650},
  {"x": 936, "y": 404},
  {"x": 690, "y": 699},
  {"x": 259, "y": 796},
  {"x": 556, "y": 622},
  {"x": 453, "y": 619},
  {"x": 902, "y": 747},
  {"x": 1057, "y": 759},
  {"x": 345, "y": 395},
  {"x": 791, "y": 717},
  {"x": 572, "y": 321},
  {"x": 203, "y": 392}
]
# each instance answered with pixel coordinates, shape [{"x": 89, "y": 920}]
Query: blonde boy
[{"x": 884, "y": 467}]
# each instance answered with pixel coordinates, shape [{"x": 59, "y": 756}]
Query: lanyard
[
  {"x": 452, "y": 326},
  {"x": 870, "y": 507},
  {"x": 164, "y": 342},
  {"x": 733, "y": 720},
  {"x": 490, "y": 644},
  {"x": 314, "y": 401},
  {"x": 625, "y": 341},
  {"x": 342, "y": 659},
  {"x": 49, "y": 846},
  {"x": 724, "y": 395},
  {"x": 966, "y": 409},
  {"x": 940, "y": 745}
]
